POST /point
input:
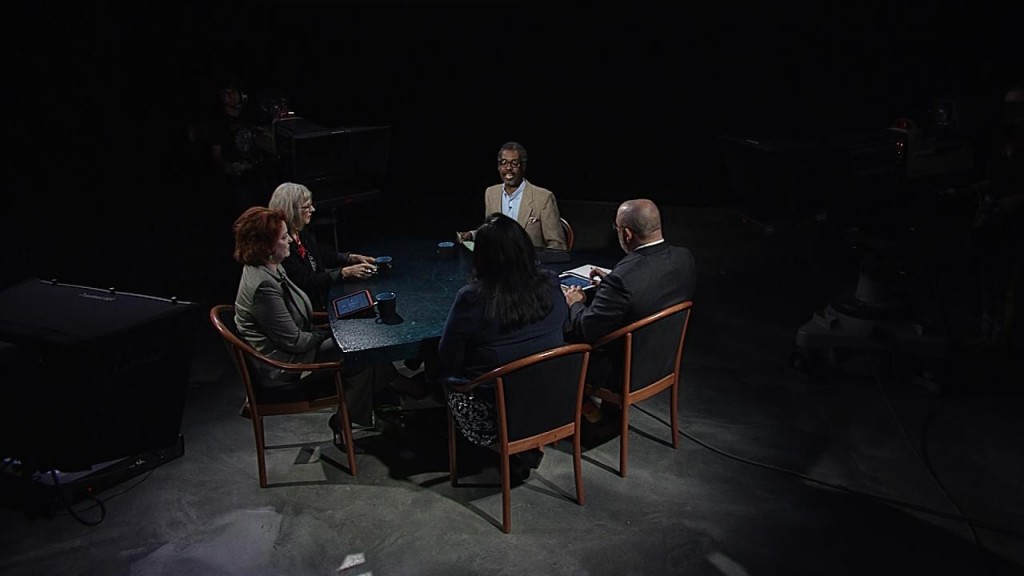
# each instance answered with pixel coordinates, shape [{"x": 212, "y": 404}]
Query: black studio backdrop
[{"x": 611, "y": 103}]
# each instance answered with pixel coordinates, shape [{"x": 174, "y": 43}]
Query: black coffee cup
[
  {"x": 383, "y": 265},
  {"x": 386, "y": 305}
]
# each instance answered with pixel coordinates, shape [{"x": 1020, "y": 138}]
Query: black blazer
[
  {"x": 471, "y": 344},
  {"x": 313, "y": 272},
  {"x": 643, "y": 282}
]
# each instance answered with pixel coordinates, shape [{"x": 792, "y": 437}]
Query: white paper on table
[{"x": 585, "y": 270}]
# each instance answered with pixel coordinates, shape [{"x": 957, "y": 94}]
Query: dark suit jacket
[
  {"x": 313, "y": 273},
  {"x": 471, "y": 345},
  {"x": 643, "y": 282}
]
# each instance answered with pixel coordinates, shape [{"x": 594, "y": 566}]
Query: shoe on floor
[
  {"x": 519, "y": 471},
  {"x": 591, "y": 412},
  {"x": 334, "y": 423},
  {"x": 610, "y": 412},
  {"x": 531, "y": 458}
]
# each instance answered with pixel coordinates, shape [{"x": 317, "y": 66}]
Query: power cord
[
  {"x": 101, "y": 502},
  {"x": 89, "y": 495},
  {"x": 68, "y": 505},
  {"x": 901, "y": 503},
  {"x": 921, "y": 453}
]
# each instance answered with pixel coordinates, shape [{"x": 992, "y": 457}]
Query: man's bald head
[{"x": 642, "y": 217}]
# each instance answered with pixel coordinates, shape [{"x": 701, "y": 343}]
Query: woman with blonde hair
[{"x": 309, "y": 267}]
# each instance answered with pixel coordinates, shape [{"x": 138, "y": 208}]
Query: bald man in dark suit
[{"x": 653, "y": 275}]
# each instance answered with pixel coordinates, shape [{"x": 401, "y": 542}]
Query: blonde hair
[{"x": 289, "y": 198}]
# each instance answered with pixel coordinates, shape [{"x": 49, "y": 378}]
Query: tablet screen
[
  {"x": 352, "y": 303},
  {"x": 569, "y": 280}
]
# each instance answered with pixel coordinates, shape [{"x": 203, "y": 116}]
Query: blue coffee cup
[{"x": 445, "y": 250}]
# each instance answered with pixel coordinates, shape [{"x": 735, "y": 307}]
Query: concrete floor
[{"x": 863, "y": 469}]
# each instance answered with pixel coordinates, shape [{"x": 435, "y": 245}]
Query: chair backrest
[
  {"x": 540, "y": 392},
  {"x": 222, "y": 316},
  {"x": 292, "y": 398},
  {"x": 570, "y": 237},
  {"x": 652, "y": 346}
]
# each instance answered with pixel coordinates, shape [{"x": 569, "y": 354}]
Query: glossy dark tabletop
[{"x": 425, "y": 284}]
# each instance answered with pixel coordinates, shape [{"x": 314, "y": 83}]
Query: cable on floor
[
  {"x": 68, "y": 505},
  {"x": 840, "y": 487},
  {"x": 922, "y": 454}
]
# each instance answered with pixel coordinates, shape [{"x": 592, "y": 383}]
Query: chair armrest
[
  {"x": 514, "y": 365},
  {"x": 298, "y": 367},
  {"x": 321, "y": 320},
  {"x": 637, "y": 324},
  {"x": 612, "y": 336}
]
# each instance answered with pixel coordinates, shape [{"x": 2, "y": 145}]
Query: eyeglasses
[
  {"x": 513, "y": 163},
  {"x": 616, "y": 227},
  {"x": 308, "y": 207}
]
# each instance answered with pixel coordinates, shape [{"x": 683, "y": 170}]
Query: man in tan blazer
[{"x": 535, "y": 208}]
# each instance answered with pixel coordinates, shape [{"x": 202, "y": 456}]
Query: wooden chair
[
  {"x": 651, "y": 351},
  {"x": 245, "y": 356},
  {"x": 538, "y": 403},
  {"x": 570, "y": 237}
]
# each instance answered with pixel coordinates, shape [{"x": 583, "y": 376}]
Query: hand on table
[
  {"x": 360, "y": 259},
  {"x": 359, "y": 271}
]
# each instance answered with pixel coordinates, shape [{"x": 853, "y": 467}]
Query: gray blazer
[
  {"x": 276, "y": 318},
  {"x": 538, "y": 214}
]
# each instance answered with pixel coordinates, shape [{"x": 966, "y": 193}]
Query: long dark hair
[{"x": 505, "y": 265}]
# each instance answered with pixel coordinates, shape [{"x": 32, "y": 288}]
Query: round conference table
[{"x": 425, "y": 284}]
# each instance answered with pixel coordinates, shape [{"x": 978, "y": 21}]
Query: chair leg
[
  {"x": 346, "y": 425},
  {"x": 350, "y": 446},
  {"x": 674, "y": 411},
  {"x": 624, "y": 439},
  {"x": 506, "y": 493},
  {"x": 261, "y": 462},
  {"x": 577, "y": 466},
  {"x": 452, "y": 464}
]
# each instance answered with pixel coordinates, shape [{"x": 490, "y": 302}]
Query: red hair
[{"x": 256, "y": 233}]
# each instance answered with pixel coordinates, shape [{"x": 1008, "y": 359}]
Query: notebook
[
  {"x": 469, "y": 244},
  {"x": 585, "y": 270}
]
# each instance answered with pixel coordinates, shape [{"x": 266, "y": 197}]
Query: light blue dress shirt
[{"x": 510, "y": 204}]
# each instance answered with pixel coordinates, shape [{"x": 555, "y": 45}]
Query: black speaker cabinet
[
  {"x": 341, "y": 165},
  {"x": 91, "y": 375}
]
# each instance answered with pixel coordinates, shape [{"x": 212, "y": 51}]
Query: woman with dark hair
[{"x": 509, "y": 309}]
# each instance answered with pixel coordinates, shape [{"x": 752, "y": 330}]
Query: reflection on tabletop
[{"x": 425, "y": 282}]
